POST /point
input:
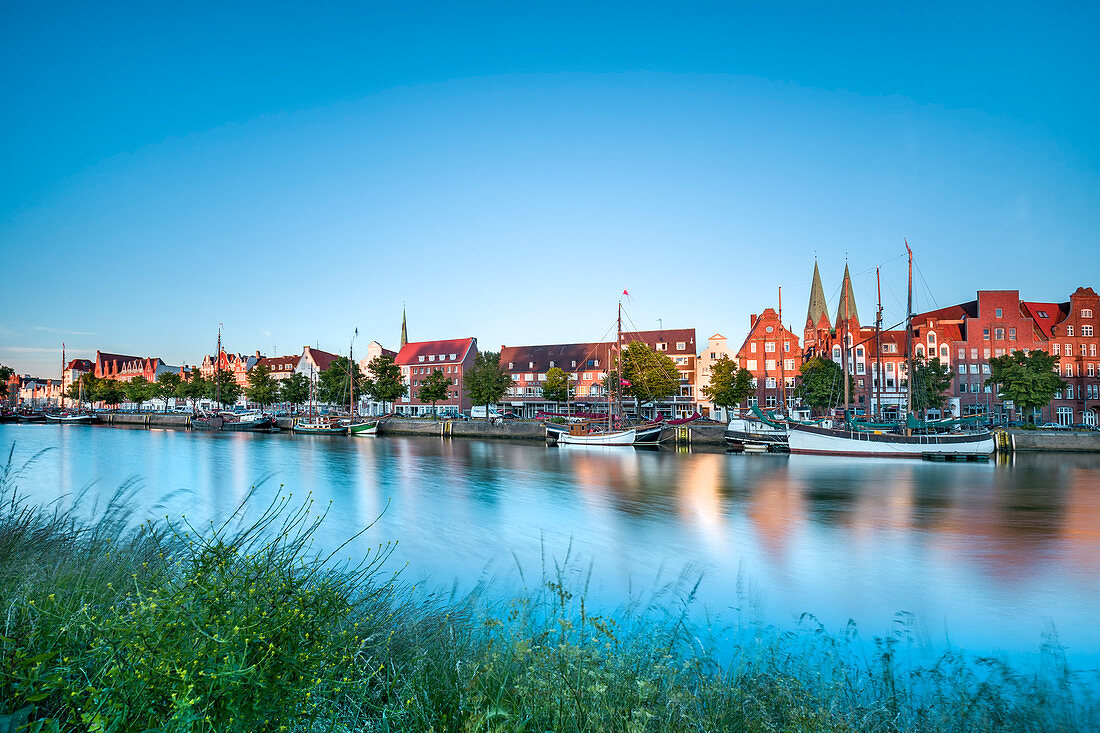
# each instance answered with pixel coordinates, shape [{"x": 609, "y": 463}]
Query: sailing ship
[
  {"x": 353, "y": 424},
  {"x": 913, "y": 439},
  {"x": 595, "y": 433},
  {"x": 359, "y": 427},
  {"x": 71, "y": 417}
]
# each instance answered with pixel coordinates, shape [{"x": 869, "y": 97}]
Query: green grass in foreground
[{"x": 107, "y": 627}]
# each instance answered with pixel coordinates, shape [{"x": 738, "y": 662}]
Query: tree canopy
[
  {"x": 556, "y": 387},
  {"x": 6, "y": 373},
  {"x": 931, "y": 380},
  {"x": 193, "y": 388},
  {"x": 434, "y": 388},
  {"x": 383, "y": 380},
  {"x": 332, "y": 385},
  {"x": 486, "y": 382},
  {"x": 263, "y": 389},
  {"x": 821, "y": 384},
  {"x": 294, "y": 389},
  {"x": 166, "y": 387},
  {"x": 109, "y": 392},
  {"x": 1029, "y": 380},
  {"x": 224, "y": 388},
  {"x": 138, "y": 390},
  {"x": 729, "y": 383}
]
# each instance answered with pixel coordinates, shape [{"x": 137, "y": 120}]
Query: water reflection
[{"x": 990, "y": 552}]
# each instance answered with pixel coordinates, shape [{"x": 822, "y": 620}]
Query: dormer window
[
  {"x": 574, "y": 364},
  {"x": 680, "y": 345},
  {"x": 1042, "y": 314},
  {"x": 511, "y": 365},
  {"x": 530, "y": 365},
  {"x": 454, "y": 356},
  {"x": 421, "y": 357},
  {"x": 551, "y": 363},
  {"x": 662, "y": 346},
  {"x": 431, "y": 357}
]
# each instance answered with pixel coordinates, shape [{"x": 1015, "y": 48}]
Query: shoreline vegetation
[{"x": 242, "y": 626}]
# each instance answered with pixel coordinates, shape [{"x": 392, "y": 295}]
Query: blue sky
[{"x": 296, "y": 173}]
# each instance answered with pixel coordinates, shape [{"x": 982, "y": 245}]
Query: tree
[
  {"x": 1029, "y": 380},
  {"x": 109, "y": 392},
  {"x": 224, "y": 388},
  {"x": 294, "y": 389},
  {"x": 434, "y": 388},
  {"x": 194, "y": 388},
  {"x": 138, "y": 390},
  {"x": 383, "y": 380},
  {"x": 332, "y": 384},
  {"x": 486, "y": 381},
  {"x": 821, "y": 384},
  {"x": 931, "y": 380},
  {"x": 556, "y": 388},
  {"x": 166, "y": 387},
  {"x": 6, "y": 373},
  {"x": 729, "y": 383},
  {"x": 647, "y": 375},
  {"x": 263, "y": 389}
]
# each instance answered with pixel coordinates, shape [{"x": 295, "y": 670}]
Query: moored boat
[
  {"x": 813, "y": 440},
  {"x": 251, "y": 420},
  {"x": 585, "y": 433},
  {"x": 363, "y": 428},
  {"x": 71, "y": 418},
  {"x": 321, "y": 425}
]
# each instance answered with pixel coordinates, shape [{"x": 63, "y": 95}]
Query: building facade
[
  {"x": 418, "y": 359},
  {"x": 717, "y": 347},
  {"x": 585, "y": 363},
  {"x": 123, "y": 368},
  {"x": 772, "y": 353}
]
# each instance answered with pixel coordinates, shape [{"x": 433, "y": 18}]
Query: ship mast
[
  {"x": 909, "y": 342},
  {"x": 61, "y": 398},
  {"x": 782, "y": 355},
  {"x": 877, "y": 384},
  {"x": 217, "y": 370},
  {"x": 619, "y": 362},
  {"x": 844, "y": 349}
]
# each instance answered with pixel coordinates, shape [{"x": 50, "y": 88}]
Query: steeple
[
  {"x": 818, "y": 306},
  {"x": 404, "y": 329},
  {"x": 846, "y": 293}
]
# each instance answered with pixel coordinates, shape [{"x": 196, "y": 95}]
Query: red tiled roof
[
  {"x": 959, "y": 312},
  {"x": 411, "y": 352},
  {"x": 321, "y": 358},
  {"x": 669, "y": 336},
  {"x": 277, "y": 362},
  {"x": 563, "y": 356},
  {"x": 1045, "y": 315},
  {"x": 84, "y": 365}
]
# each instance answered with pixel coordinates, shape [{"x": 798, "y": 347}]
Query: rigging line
[{"x": 931, "y": 298}]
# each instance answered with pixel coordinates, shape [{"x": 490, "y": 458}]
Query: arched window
[
  {"x": 920, "y": 351},
  {"x": 931, "y": 338},
  {"x": 836, "y": 353}
]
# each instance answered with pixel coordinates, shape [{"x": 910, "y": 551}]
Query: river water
[{"x": 985, "y": 557}]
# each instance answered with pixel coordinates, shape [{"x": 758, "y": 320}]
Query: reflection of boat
[
  {"x": 71, "y": 418},
  {"x": 244, "y": 421}
]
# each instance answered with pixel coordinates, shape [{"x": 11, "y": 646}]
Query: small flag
[
  {"x": 624, "y": 383},
  {"x": 624, "y": 292}
]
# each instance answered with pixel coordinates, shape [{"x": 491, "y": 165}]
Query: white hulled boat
[{"x": 813, "y": 440}]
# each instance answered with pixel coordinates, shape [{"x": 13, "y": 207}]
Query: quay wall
[
  {"x": 464, "y": 429},
  {"x": 145, "y": 419},
  {"x": 1055, "y": 440}
]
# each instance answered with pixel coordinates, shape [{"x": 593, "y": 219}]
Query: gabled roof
[
  {"x": 959, "y": 312},
  {"x": 81, "y": 365},
  {"x": 818, "y": 307},
  {"x": 563, "y": 356},
  {"x": 276, "y": 363},
  {"x": 321, "y": 358},
  {"x": 411, "y": 352},
  {"x": 1045, "y": 315},
  {"x": 669, "y": 336}
]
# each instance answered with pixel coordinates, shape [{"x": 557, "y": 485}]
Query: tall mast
[
  {"x": 61, "y": 398},
  {"x": 351, "y": 376},
  {"x": 844, "y": 348},
  {"x": 782, "y": 355},
  {"x": 909, "y": 338},
  {"x": 877, "y": 384},
  {"x": 619, "y": 360},
  {"x": 218, "y": 369}
]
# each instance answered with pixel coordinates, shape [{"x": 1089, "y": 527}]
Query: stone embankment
[
  {"x": 145, "y": 420},
  {"x": 1055, "y": 440}
]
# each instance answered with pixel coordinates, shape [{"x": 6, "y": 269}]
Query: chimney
[
  {"x": 257, "y": 353},
  {"x": 752, "y": 320}
]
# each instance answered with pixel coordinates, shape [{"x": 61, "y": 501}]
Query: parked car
[{"x": 1054, "y": 426}]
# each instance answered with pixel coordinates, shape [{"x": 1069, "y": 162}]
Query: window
[
  {"x": 985, "y": 334},
  {"x": 662, "y": 346},
  {"x": 511, "y": 365},
  {"x": 973, "y": 368},
  {"x": 931, "y": 338},
  {"x": 1092, "y": 349},
  {"x": 769, "y": 347},
  {"x": 859, "y": 351},
  {"x": 973, "y": 353},
  {"x": 1082, "y": 349},
  {"x": 985, "y": 353},
  {"x": 454, "y": 356},
  {"x": 1086, "y": 313},
  {"x": 985, "y": 369},
  {"x": 769, "y": 364},
  {"x": 1069, "y": 370},
  {"x": 1000, "y": 313},
  {"x": 889, "y": 366},
  {"x": 1041, "y": 314},
  {"x": 1012, "y": 334},
  {"x": 1069, "y": 349},
  {"x": 836, "y": 353},
  {"x": 752, "y": 347},
  {"x": 1091, "y": 374},
  {"x": 919, "y": 351},
  {"x": 431, "y": 357},
  {"x": 859, "y": 368},
  {"x": 999, "y": 334},
  {"x": 769, "y": 383},
  {"x": 1086, "y": 330},
  {"x": 999, "y": 352},
  {"x": 962, "y": 353},
  {"x": 943, "y": 351},
  {"x": 1057, "y": 350},
  {"x": 680, "y": 345},
  {"x": 1069, "y": 330},
  {"x": 420, "y": 358},
  {"x": 551, "y": 364},
  {"x": 786, "y": 346},
  {"x": 962, "y": 368},
  {"x": 713, "y": 355},
  {"x": 751, "y": 365},
  {"x": 574, "y": 364},
  {"x": 788, "y": 365}
]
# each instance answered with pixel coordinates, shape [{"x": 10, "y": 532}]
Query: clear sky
[{"x": 506, "y": 170}]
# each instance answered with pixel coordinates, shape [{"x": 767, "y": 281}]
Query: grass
[{"x": 242, "y": 626}]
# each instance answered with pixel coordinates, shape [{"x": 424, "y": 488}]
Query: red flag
[
  {"x": 624, "y": 383},
  {"x": 625, "y": 293}
]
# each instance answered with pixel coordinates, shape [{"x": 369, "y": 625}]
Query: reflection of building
[{"x": 716, "y": 348}]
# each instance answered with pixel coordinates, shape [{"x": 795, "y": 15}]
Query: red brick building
[
  {"x": 586, "y": 364},
  {"x": 237, "y": 364},
  {"x": 1074, "y": 339},
  {"x": 281, "y": 366},
  {"x": 123, "y": 368},
  {"x": 418, "y": 359},
  {"x": 771, "y": 352}
]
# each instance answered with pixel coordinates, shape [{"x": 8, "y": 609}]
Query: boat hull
[
  {"x": 808, "y": 440},
  {"x": 71, "y": 419},
  {"x": 650, "y": 435},
  {"x": 363, "y": 430}
]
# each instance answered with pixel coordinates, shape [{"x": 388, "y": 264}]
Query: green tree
[
  {"x": 6, "y": 373},
  {"x": 223, "y": 388},
  {"x": 647, "y": 375},
  {"x": 729, "y": 383},
  {"x": 263, "y": 389},
  {"x": 1029, "y": 380},
  {"x": 931, "y": 380},
  {"x": 383, "y": 380},
  {"x": 294, "y": 389},
  {"x": 194, "y": 388},
  {"x": 556, "y": 387},
  {"x": 486, "y": 382},
  {"x": 434, "y": 388},
  {"x": 821, "y": 384},
  {"x": 332, "y": 384},
  {"x": 109, "y": 392},
  {"x": 166, "y": 387},
  {"x": 138, "y": 390}
]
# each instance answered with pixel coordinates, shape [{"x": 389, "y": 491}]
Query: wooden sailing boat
[
  {"x": 359, "y": 427},
  {"x": 592, "y": 434},
  {"x": 315, "y": 424},
  {"x": 903, "y": 443}
]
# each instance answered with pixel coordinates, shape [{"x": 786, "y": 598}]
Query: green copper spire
[
  {"x": 846, "y": 292},
  {"x": 818, "y": 306}
]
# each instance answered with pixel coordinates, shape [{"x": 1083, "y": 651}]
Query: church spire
[
  {"x": 818, "y": 306},
  {"x": 846, "y": 293},
  {"x": 404, "y": 329}
]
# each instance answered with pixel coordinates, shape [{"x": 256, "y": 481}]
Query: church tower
[{"x": 815, "y": 336}]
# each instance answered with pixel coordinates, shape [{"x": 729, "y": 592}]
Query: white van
[{"x": 477, "y": 412}]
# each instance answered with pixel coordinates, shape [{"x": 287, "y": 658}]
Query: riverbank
[{"x": 239, "y": 628}]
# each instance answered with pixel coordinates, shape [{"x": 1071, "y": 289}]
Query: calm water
[{"x": 986, "y": 557}]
